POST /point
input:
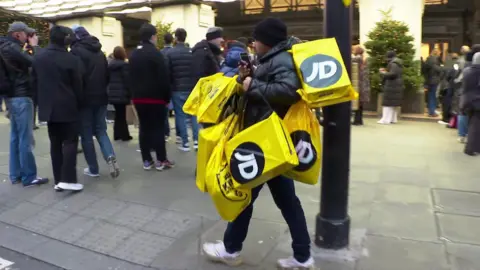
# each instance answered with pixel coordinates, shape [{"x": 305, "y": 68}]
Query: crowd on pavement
[{"x": 73, "y": 82}]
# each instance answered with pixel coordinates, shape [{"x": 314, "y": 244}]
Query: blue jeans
[
  {"x": 283, "y": 193},
  {"x": 432, "y": 98},
  {"x": 462, "y": 125},
  {"x": 22, "y": 161},
  {"x": 94, "y": 124},
  {"x": 179, "y": 99}
]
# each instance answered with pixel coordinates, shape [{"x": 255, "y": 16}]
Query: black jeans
[
  {"x": 358, "y": 118},
  {"x": 283, "y": 193},
  {"x": 152, "y": 130},
  {"x": 63, "y": 151},
  {"x": 120, "y": 126}
]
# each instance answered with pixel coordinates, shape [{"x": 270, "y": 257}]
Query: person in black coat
[
  {"x": 119, "y": 93},
  {"x": 274, "y": 81},
  {"x": 150, "y": 94},
  {"x": 94, "y": 113},
  {"x": 207, "y": 54},
  {"x": 393, "y": 88},
  {"x": 57, "y": 78}
]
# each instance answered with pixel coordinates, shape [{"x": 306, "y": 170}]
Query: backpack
[{"x": 5, "y": 83}]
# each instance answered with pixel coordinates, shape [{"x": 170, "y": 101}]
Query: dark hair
[
  {"x": 147, "y": 31},
  {"x": 243, "y": 40},
  {"x": 181, "y": 34},
  {"x": 168, "y": 38},
  {"x": 61, "y": 35},
  {"x": 119, "y": 53}
]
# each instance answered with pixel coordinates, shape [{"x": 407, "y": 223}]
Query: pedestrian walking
[
  {"x": 58, "y": 80},
  {"x": 150, "y": 95},
  {"x": 94, "y": 111}
]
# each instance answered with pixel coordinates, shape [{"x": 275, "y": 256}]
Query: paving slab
[
  {"x": 460, "y": 229},
  {"x": 45, "y": 221},
  {"x": 19, "y": 213},
  {"x": 135, "y": 216},
  {"x": 104, "y": 208},
  {"x": 463, "y": 256},
  {"x": 73, "y": 228},
  {"x": 403, "y": 194},
  {"x": 104, "y": 237},
  {"x": 18, "y": 239},
  {"x": 76, "y": 202},
  {"x": 457, "y": 202},
  {"x": 172, "y": 224}
]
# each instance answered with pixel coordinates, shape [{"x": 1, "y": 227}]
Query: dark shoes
[{"x": 36, "y": 182}]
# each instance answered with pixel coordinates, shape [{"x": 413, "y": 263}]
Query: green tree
[
  {"x": 162, "y": 29},
  {"x": 41, "y": 26},
  {"x": 392, "y": 35}
]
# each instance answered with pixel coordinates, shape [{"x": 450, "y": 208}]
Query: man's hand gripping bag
[
  {"x": 304, "y": 130},
  {"x": 260, "y": 153},
  {"x": 195, "y": 98},
  {"x": 320, "y": 67}
]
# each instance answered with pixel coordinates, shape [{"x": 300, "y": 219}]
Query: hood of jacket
[
  {"x": 204, "y": 44},
  {"x": 116, "y": 64},
  {"x": 90, "y": 43},
  {"x": 232, "y": 58},
  {"x": 280, "y": 47}
]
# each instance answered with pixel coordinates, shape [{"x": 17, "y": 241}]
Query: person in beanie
[
  {"x": 207, "y": 54},
  {"x": 94, "y": 113},
  {"x": 274, "y": 81},
  {"x": 58, "y": 80},
  {"x": 150, "y": 94}
]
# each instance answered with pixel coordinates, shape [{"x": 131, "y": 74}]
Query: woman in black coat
[
  {"x": 470, "y": 105},
  {"x": 119, "y": 93},
  {"x": 393, "y": 88}
]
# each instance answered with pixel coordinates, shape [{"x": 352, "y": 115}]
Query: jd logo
[
  {"x": 306, "y": 152},
  {"x": 321, "y": 71},
  {"x": 247, "y": 162}
]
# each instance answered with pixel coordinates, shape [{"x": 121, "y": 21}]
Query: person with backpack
[{"x": 15, "y": 83}]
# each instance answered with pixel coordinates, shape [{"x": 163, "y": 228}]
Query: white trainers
[
  {"x": 70, "y": 186},
  {"x": 216, "y": 252},
  {"x": 292, "y": 264},
  {"x": 462, "y": 139},
  {"x": 86, "y": 171}
]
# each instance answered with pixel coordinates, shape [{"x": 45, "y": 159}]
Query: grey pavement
[
  {"x": 414, "y": 203},
  {"x": 11, "y": 260}
]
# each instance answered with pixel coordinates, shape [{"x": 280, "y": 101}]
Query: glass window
[{"x": 253, "y": 6}]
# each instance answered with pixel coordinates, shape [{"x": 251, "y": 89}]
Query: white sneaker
[
  {"x": 184, "y": 147},
  {"x": 442, "y": 122},
  {"x": 195, "y": 145},
  {"x": 462, "y": 139},
  {"x": 292, "y": 264},
  {"x": 56, "y": 188},
  {"x": 86, "y": 171},
  {"x": 216, "y": 252},
  {"x": 382, "y": 123},
  {"x": 70, "y": 186}
]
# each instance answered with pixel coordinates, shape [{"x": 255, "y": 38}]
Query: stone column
[
  {"x": 408, "y": 11},
  {"x": 194, "y": 18}
]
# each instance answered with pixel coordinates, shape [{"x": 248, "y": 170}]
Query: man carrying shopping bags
[{"x": 275, "y": 81}]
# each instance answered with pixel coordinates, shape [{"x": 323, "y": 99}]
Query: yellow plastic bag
[
  {"x": 214, "y": 97},
  {"x": 321, "y": 69},
  {"x": 304, "y": 130},
  {"x": 260, "y": 153},
  {"x": 207, "y": 140},
  {"x": 351, "y": 95},
  {"x": 194, "y": 99},
  {"x": 228, "y": 200}
]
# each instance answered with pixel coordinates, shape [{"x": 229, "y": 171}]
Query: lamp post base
[{"x": 332, "y": 234}]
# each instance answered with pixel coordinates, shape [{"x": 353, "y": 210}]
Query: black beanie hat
[
  {"x": 391, "y": 54},
  {"x": 214, "y": 33},
  {"x": 61, "y": 35},
  {"x": 270, "y": 31},
  {"x": 147, "y": 31}
]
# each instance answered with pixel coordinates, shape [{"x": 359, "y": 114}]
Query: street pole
[{"x": 333, "y": 223}]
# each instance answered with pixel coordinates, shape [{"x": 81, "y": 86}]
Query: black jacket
[
  {"x": 432, "y": 69},
  {"x": 274, "y": 81},
  {"x": 95, "y": 64},
  {"x": 118, "y": 86},
  {"x": 470, "y": 96},
  {"x": 148, "y": 74},
  {"x": 180, "y": 61},
  {"x": 393, "y": 86},
  {"x": 205, "y": 60},
  {"x": 18, "y": 67},
  {"x": 57, "y": 78}
]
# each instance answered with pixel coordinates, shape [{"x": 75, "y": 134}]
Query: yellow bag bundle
[
  {"x": 304, "y": 130},
  {"x": 228, "y": 200},
  {"x": 321, "y": 69},
  {"x": 194, "y": 99},
  {"x": 207, "y": 140},
  {"x": 214, "y": 97},
  {"x": 260, "y": 153},
  {"x": 349, "y": 96}
]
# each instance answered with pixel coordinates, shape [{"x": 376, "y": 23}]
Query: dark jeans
[
  {"x": 283, "y": 193},
  {"x": 152, "y": 130},
  {"x": 432, "y": 98},
  {"x": 358, "y": 118},
  {"x": 120, "y": 126},
  {"x": 179, "y": 99},
  {"x": 94, "y": 124},
  {"x": 447, "y": 105},
  {"x": 63, "y": 151}
]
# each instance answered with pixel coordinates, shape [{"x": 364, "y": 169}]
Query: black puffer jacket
[
  {"x": 118, "y": 86},
  {"x": 393, "y": 86},
  {"x": 18, "y": 67},
  {"x": 95, "y": 67},
  {"x": 180, "y": 60},
  {"x": 275, "y": 81},
  {"x": 205, "y": 60}
]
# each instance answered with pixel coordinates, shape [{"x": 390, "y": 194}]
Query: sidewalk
[{"x": 414, "y": 204}]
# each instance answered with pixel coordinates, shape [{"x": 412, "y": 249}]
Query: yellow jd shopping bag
[
  {"x": 260, "y": 153},
  {"x": 214, "y": 97},
  {"x": 228, "y": 200},
  {"x": 321, "y": 69},
  {"x": 304, "y": 130},
  {"x": 194, "y": 99},
  {"x": 207, "y": 140},
  {"x": 351, "y": 95}
]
